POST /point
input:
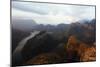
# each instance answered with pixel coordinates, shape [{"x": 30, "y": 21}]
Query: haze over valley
[{"x": 44, "y": 33}]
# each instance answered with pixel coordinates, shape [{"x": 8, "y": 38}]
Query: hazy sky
[{"x": 44, "y": 13}]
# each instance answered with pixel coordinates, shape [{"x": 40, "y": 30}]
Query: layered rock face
[
  {"x": 71, "y": 49},
  {"x": 79, "y": 51},
  {"x": 89, "y": 54}
]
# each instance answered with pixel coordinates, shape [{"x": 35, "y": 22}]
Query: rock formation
[
  {"x": 46, "y": 58},
  {"x": 79, "y": 51}
]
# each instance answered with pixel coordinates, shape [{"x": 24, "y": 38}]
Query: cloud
[
  {"x": 27, "y": 6},
  {"x": 45, "y": 13}
]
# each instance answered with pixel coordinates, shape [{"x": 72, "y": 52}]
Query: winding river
[{"x": 17, "y": 57}]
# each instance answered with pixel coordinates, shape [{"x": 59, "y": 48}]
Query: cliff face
[
  {"x": 80, "y": 51},
  {"x": 75, "y": 51},
  {"x": 71, "y": 49},
  {"x": 89, "y": 54}
]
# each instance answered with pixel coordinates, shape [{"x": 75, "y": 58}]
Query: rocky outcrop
[
  {"x": 46, "y": 58},
  {"x": 89, "y": 54},
  {"x": 71, "y": 49},
  {"x": 79, "y": 51}
]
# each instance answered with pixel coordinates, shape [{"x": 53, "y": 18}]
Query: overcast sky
[{"x": 46, "y": 13}]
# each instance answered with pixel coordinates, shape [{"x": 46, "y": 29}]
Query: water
[{"x": 17, "y": 57}]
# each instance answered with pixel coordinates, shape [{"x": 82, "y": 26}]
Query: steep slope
[{"x": 85, "y": 32}]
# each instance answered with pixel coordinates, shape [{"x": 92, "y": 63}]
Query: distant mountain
[
  {"x": 86, "y": 21},
  {"x": 23, "y": 24},
  {"x": 84, "y": 32},
  {"x": 51, "y": 28}
]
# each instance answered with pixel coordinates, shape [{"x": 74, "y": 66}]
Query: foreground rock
[
  {"x": 45, "y": 59},
  {"x": 79, "y": 51},
  {"x": 89, "y": 54}
]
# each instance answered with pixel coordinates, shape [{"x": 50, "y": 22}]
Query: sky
[{"x": 46, "y": 13}]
